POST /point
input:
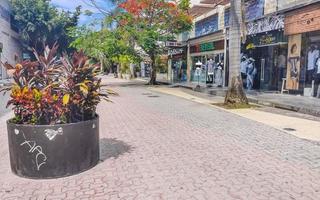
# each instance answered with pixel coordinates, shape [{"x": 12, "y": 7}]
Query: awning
[
  {"x": 206, "y": 6},
  {"x": 217, "y": 2}
]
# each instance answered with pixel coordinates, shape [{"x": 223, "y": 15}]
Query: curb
[
  {"x": 285, "y": 107},
  {"x": 267, "y": 103}
]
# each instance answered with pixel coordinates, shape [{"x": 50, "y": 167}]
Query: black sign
[{"x": 265, "y": 39}]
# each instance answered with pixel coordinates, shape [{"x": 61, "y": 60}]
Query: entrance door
[{"x": 272, "y": 63}]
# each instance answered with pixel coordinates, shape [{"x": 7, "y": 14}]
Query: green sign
[{"x": 206, "y": 47}]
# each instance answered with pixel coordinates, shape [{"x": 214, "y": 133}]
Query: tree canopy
[
  {"x": 41, "y": 23},
  {"x": 106, "y": 45},
  {"x": 153, "y": 22}
]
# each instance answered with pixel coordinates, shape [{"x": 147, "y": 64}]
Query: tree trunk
[
  {"x": 235, "y": 92},
  {"x": 153, "y": 73}
]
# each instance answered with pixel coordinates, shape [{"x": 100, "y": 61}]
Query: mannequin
[
  {"x": 218, "y": 76},
  {"x": 313, "y": 55},
  {"x": 251, "y": 73},
  {"x": 243, "y": 69},
  {"x": 210, "y": 69}
]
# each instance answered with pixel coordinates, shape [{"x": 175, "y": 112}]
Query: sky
[{"x": 72, "y": 4}]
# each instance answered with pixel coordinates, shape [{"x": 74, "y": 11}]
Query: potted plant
[{"x": 55, "y": 128}]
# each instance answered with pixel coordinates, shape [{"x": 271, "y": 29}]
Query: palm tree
[{"x": 235, "y": 94}]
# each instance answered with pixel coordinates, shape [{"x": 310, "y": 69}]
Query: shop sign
[
  {"x": 266, "y": 39},
  {"x": 173, "y": 44},
  {"x": 209, "y": 46},
  {"x": 303, "y": 20},
  {"x": 206, "y": 47},
  {"x": 266, "y": 24},
  {"x": 172, "y": 52}
]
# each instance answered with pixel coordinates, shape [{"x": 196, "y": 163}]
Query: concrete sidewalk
[
  {"x": 297, "y": 103},
  {"x": 299, "y": 127}
]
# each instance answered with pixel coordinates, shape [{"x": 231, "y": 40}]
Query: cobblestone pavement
[{"x": 155, "y": 146}]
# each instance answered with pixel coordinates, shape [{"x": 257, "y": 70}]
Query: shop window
[
  {"x": 227, "y": 17},
  {"x": 254, "y": 9},
  {"x": 206, "y": 26}
]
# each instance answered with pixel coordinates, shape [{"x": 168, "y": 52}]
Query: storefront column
[
  {"x": 189, "y": 64},
  {"x": 225, "y": 71},
  {"x": 170, "y": 71}
]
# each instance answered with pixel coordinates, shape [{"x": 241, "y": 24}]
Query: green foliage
[
  {"x": 54, "y": 91},
  {"x": 41, "y": 23},
  {"x": 107, "y": 46}
]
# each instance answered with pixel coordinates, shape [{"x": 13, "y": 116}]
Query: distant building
[{"x": 9, "y": 38}]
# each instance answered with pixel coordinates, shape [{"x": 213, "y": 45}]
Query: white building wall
[{"x": 10, "y": 41}]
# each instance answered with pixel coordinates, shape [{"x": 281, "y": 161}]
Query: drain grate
[
  {"x": 289, "y": 129},
  {"x": 146, "y": 94},
  {"x": 153, "y": 96}
]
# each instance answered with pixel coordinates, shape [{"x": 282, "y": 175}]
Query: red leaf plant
[{"x": 54, "y": 91}]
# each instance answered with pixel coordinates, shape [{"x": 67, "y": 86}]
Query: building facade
[
  {"x": 10, "y": 48},
  {"x": 281, "y": 49},
  {"x": 207, "y": 45}
]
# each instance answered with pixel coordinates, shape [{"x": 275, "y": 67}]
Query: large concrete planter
[{"x": 42, "y": 152}]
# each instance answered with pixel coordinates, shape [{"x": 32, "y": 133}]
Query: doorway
[{"x": 270, "y": 63}]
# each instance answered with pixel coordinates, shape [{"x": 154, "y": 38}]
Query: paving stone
[{"x": 171, "y": 148}]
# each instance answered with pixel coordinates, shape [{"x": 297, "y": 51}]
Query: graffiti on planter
[
  {"x": 35, "y": 149},
  {"x": 266, "y": 24},
  {"x": 16, "y": 131},
  {"x": 51, "y": 134},
  {"x": 93, "y": 126}
]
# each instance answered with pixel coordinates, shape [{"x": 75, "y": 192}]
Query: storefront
[
  {"x": 207, "y": 53},
  {"x": 303, "y": 29},
  {"x": 177, "y": 62},
  {"x": 263, "y": 60}
]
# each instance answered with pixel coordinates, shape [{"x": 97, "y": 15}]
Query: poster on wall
[{"x": 294, "y": 57}]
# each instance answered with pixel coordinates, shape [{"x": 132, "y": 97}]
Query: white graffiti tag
[
  {"x": 51, "y": 134},
  {"x": 41, "y": 158}
]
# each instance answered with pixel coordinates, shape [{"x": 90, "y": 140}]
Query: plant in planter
[{"x": 55, "y": 128}]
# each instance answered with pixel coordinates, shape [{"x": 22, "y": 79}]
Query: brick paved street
[{"x": 155, "y": 146}]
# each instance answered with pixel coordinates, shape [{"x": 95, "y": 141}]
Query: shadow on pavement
[{"x": 113, "y": 148}]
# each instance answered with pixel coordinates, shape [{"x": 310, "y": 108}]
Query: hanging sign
[{"x": 172, "y": 52}]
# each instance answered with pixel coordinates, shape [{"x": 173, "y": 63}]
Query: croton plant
[{"x": 55, "y": 91}]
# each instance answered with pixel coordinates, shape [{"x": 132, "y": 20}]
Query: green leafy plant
[{"x": 55, "y": 91}]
